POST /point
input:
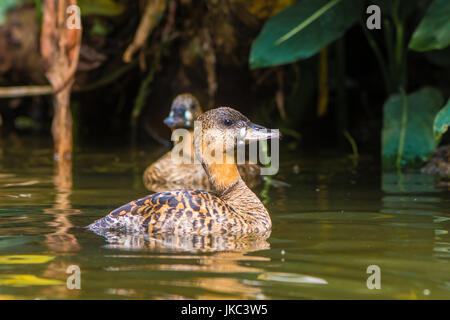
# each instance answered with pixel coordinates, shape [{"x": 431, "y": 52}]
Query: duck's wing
[{"x": 181, "y": 211}]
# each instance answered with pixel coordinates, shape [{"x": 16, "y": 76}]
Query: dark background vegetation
[{"x": 203, "y": 47}]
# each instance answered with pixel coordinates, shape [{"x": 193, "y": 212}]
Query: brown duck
[
  {"x": 166, "y": 174},
  {"x": 236, "y": 209}
]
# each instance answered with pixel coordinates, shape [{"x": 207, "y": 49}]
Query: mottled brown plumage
[
  {"x": 236, "y": 209},
  {"x": 167, "y": 174}
]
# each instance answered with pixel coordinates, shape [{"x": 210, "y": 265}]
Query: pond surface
[{"x": 332, "y": 219}]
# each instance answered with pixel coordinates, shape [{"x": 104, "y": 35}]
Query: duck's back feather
[{"x": 181, "y": 211}]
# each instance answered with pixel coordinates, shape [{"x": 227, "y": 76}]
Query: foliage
[
  {"x": 91, "y": 7},
  {"x": 301, "y": 30},
  {"x": 100, "y": 7},
  {"x": 5, "y": 6},
  {"x": 294, "y": 32},
  {"x": 307, "y": 27},
  {"x": 433, "y": 31},
  {"x": 441, "y": 121},
  {"x": 407, "y": 134}
]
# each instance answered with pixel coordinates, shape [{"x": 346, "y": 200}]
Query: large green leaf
[
  {"x": 302, "y": 29},
  {"x": 433, "y": 31},
  {"x": 5, "y": 6},
  {"x": 407, "y": 135},
  {"x": 442, "y": 121}
]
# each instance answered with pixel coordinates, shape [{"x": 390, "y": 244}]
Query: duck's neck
[
  {"x": 222, "y": 176},
  {"x": 226, "y": 180},
  {"x": 233, "y": 191}
]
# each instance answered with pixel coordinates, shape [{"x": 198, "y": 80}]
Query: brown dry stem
[
  {"x": 153, "y": 12},
  {"x": 60, "y": 48}
]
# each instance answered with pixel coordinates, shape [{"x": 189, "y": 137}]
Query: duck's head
[
  {"x": 184, "y": 110},
  {"x": 224, "y": 128}
]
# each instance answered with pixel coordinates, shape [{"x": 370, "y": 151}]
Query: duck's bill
[
  {"x": 255, "y": 132},
  {"x": 173, "y": 122}
]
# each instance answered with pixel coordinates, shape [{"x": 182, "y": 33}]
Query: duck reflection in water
[{"x": 166, "y": 242}]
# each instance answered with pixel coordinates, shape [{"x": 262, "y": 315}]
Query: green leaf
[
  {"x": 38, "y": 8},
  {"x": 407, "y": 135},
  {"x": 433, "y": 31},
  {"x": 303, "y": 29},
  {"x": 100, "y": 7},
  {"x": 7, "y": 5},
  {"x": 441, "y": 121}
]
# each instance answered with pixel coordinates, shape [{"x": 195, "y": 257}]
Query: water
[{"x": 335, "y": 219}]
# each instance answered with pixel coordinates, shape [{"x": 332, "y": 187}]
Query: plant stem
[
  {"x": 399, "y": 46},
  {"x": 388, "y": 37},
  {"x": 144, "y": 91},
  {"x": 342, "y": 113},
  {"x": 401, "y": 141},
  {"x": 352, "y": 143}
]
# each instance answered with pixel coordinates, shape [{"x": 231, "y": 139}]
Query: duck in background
[
  {"x": 168, "y": 174},
  {"x": 235, "y": 208}
]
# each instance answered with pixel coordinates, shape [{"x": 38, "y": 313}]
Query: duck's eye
[{"x": 228, "y": 122}]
